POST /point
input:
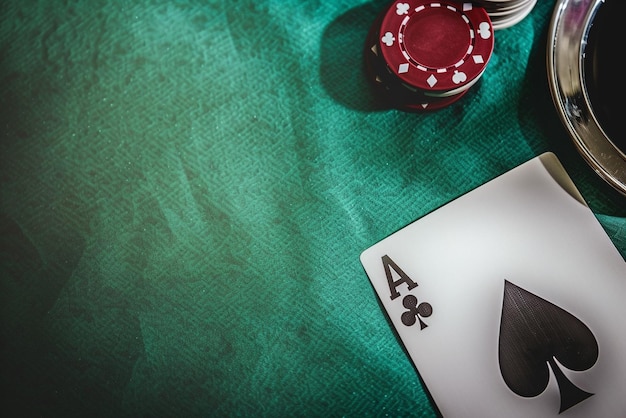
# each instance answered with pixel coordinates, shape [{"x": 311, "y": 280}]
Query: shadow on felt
[{"x": 342, "y": 67}]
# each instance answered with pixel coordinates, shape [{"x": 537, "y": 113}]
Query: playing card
[{"x": 510, "y": 300}]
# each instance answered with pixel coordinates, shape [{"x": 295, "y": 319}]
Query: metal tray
[{"x": 570, "y": 65}]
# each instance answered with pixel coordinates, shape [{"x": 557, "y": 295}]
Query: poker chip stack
[
  {"x": 423, "y": 55},
  {"x": 506, "y": 13}
]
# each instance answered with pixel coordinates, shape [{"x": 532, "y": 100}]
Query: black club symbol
[{"x": 415, "y": 312}]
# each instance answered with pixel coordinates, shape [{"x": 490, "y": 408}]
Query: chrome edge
[{"x": 567, "y": 38}]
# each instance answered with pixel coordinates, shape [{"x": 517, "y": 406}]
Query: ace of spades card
[{"x": 510, "y": 300}]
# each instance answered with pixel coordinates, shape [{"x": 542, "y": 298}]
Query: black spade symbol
[{"x": 535, "y": 332}]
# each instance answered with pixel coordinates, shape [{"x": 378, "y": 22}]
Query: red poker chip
[
  {"x": 395, "y": 93},
  {"x": 432, "y": 103},
  {"x": 440, "y": 46}
]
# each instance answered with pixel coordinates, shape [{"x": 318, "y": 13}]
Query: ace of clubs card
[{"x": 510, "y": 300}]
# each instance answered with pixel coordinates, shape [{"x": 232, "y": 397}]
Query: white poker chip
[{"x": 506, "y": 13}]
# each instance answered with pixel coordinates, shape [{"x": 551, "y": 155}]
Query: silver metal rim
[{"x": 567, "y": 39}]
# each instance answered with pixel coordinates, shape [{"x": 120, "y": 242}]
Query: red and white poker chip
[
  {"x": 394, "y": 92},
  {"x": 439, "y": 47}
]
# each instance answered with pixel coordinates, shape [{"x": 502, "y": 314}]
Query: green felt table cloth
[{"x": 186, "y": 188}]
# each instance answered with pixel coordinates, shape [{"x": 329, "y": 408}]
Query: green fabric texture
[{"x": 186, "y": 188}]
